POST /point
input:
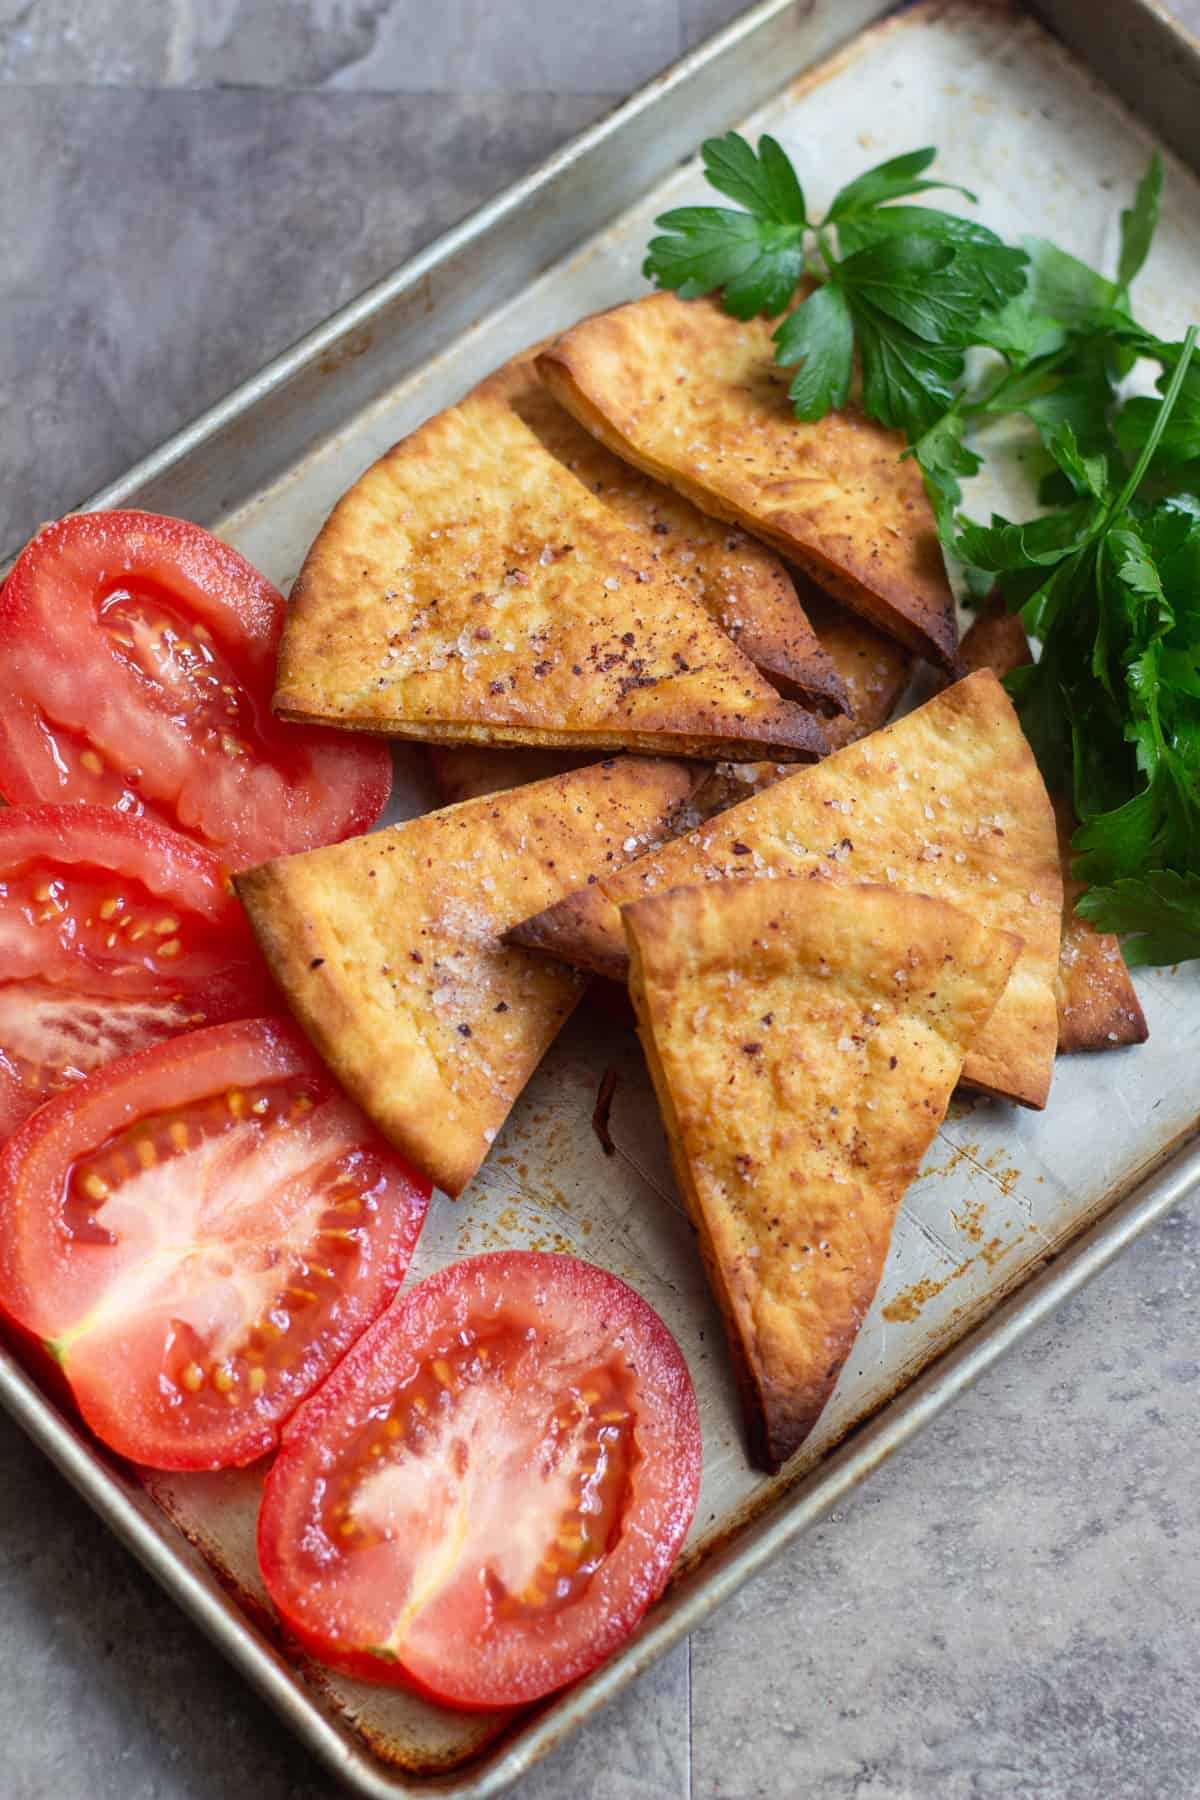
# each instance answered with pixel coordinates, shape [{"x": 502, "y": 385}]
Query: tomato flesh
[
  {"x": 114, "y": 934},
  {"x": 485, "y": 1497},
  {"x": 197, "y": 1234},
  {"x": 138, "y": 671}
]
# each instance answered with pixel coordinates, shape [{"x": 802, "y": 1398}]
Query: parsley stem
[
  {"x": 826, "y": 252},
  {"x": 1043, "y": 365},
  {"x": 1160, "y": 424}
]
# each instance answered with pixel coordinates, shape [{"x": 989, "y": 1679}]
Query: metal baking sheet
[{"x": 1008, "y": 1204}]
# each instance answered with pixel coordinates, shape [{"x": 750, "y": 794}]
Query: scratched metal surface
[{"x": 1049, "y": 151}]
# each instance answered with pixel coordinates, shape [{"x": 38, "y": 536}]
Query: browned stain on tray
[
  {"x": 945, "y": 1337},
  {"x": 910, "y": 1302},
  {"x": 969, "y": 1219}
]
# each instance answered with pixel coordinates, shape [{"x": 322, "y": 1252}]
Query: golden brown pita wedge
[
  {"x": 804, "y": 1039},
  {"x": 468, "y": 589},
  {"x": 996, "y": 640},
  {"x": 388, "y": 948},
  {"x": 741, "y": 584},
  {"x": 1098, "y": 1008},
  {"x": 875, "y": 669},
  {"x": 947, "y": 801},
  {"x": 696, "y": 399},
  {"x": 466, "y": 771}
]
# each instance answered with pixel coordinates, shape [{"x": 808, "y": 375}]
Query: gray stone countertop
[{"x": 1009, "y": 1608}]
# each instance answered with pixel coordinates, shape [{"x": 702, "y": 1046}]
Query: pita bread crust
[
  {"x": 696, "y": 399},
  {"x": 388, "y": 948},
  {"x": 995, "y": 640},
  {"x": 741, "y": 584},
  {"x": 1098, "y": 1007},
  {"x": 582, "y": 929},
  {"x": 874, "y": 668},
  {"x": 834, "y": 1024},
  {"x": 947, "y": 801},
  {"x": 467, "y": 771},
  {"x": 468, "y": 589}
]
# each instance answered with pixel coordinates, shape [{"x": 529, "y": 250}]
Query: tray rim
[{"x": 1137, "y": 1202}]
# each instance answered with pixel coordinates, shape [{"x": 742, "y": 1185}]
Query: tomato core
[{"x": 579, "y": 1470}]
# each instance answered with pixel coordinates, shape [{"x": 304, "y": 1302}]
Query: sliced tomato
[
  {"x": 114, "y": 934},
  {"x": 197, "y": 1234},
  {"x": 487, "y": 1494},
  {"x": 139, "y": 661}
]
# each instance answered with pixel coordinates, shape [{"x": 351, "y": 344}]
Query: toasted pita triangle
[
  {"x": 804, "y": 1039},
  {"x": 465, "y": 771},
  {"x": 874, "y": 668},
  {"x": 995, "y": 640},
  {"x": 874, "y": 671},
  {"x": 468, "y": 589},
  {"x": 696, "y": 399},
  {"x": 1098, "y": 1007},
  {"x": 741, "y": 584},
  {"x": 388, "y": 948},
  {"x": 946, "y": 801}
]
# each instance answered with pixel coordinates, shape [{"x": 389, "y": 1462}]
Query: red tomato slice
[
  {"x": 487, "y": 1494},
  {"x": 139, "y": 661},
  {"x": 197, "y": 1234},
  {"x": 114, "y": 934}
]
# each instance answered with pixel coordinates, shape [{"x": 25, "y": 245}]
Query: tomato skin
[
  {"x": 52, "y": 1278},
  {"x": 78, "y": 970},
  {"x": 138, "y": 671},
  {"x": 476, "y": 1666}
]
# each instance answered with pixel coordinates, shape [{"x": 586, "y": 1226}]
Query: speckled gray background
[{"x": 1012, "y": 1607}]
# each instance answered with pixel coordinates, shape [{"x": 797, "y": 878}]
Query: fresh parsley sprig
[
  {"x": 1108, "y": 579},
  {"x": 905, "y": 286},
  {"x": 1110, "y": 584}
]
